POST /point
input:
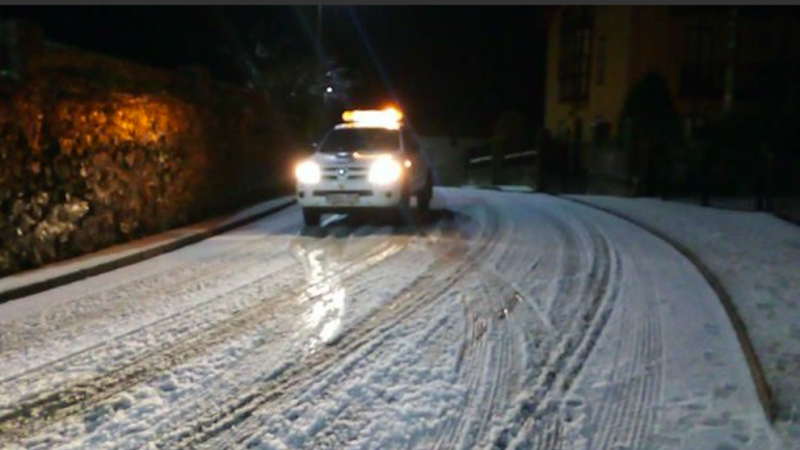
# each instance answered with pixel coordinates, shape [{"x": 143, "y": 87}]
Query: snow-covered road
[{"x": 511, "y": 321}]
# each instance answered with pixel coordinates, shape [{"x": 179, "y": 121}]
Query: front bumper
[{"x": 361, "y": 194}]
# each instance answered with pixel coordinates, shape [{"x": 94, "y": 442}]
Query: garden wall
[{"x": 96, "y": 151}]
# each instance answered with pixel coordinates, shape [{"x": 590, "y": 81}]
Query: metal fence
[{"x": 758, "y": 180}]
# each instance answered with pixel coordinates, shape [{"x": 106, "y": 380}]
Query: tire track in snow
[
  {"x": 488, "y": 355},
  {"x": 52, "y": 407},
  {"x": 494, "y": 313},
  {"x": 248, "y": 371},
  {"x": 497, "y": 364},
  {"x": 485, "y": 367},
  {"x": 567, "y": 273},
  {"x": 223, "y": 270},
  {"x": 199, "y": 284},
  {"x": 487, "y": 372},
  {"x": 628, "y": 415},
  {"x": 123, "y": 350},
  {"x": 105, "y": 303},
  {"x": 486, "y": 360},
  {"x": 27, "y": 333},
  {"x": 536, "y": 416},
  {"x": 454, "y": 262},
  {"x": 636, "y": 377},
  {"x": 425, "y": 340},
  {"x": 493, "y": 386},
  {"x": 583, "y": 307}
]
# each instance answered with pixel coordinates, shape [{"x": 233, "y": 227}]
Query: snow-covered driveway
[{"x": 513, "y": 320}]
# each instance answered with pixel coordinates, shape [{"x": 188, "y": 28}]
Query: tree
[
  {"x": 309, "y": 93},
  {"x": 307, "y": 89}
]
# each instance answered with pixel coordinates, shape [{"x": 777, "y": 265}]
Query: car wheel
[
  {"x": 424, "y": 202},
  {"x": 402, "y": 211},
  {"x": 311, "y": 217},
  {"x": 424, "y": 197}
]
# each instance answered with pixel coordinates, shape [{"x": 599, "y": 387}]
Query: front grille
[{"x": 344, "y": 173}]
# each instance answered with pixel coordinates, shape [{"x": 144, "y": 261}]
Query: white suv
[{"x": 370, "y": 161}]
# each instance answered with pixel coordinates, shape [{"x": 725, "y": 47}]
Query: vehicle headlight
[
  {"x": 308, "y": 172},
  {"x": 384, "y": 171}
]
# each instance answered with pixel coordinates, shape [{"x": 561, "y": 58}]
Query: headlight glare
[
  {"x": 384, "y": 171},
  {"x": 308, "y": 172}
]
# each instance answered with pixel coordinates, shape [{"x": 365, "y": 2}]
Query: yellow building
[{"x": 596, "y": 53}]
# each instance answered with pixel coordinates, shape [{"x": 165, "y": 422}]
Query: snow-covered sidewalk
[{"x": 757, "y": 258}]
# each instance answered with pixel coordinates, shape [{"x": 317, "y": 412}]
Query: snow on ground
[
  {"x": 512, "y": 320},
  {"x": 117, "y": 252},
  {"x": 757, "y": 258}
]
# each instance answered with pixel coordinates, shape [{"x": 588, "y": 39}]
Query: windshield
[{"x": 361, "y": 140}]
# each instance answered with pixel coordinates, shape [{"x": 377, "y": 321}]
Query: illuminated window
[{"x": 576, "y": 54}]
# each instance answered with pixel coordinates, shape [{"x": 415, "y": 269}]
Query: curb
[
  {"x": 757, "y": 373},
  {"x": 169, "y": 246}
]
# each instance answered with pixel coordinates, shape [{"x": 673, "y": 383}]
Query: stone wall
[{"x": 95, "y": 151}]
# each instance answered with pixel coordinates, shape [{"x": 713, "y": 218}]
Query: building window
[
  {"x": 575, "y": 59},
  {"x": 766, "y": 54},
  {"x": 600, "y": 71},
  {"x": 703, "y": 70},
  {"x": 692, "y": 125}
]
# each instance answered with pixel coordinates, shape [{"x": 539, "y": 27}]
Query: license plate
[{"x": 342, "y": 199}]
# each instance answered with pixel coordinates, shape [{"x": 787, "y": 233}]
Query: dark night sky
[{"x": 450, "y": 67}]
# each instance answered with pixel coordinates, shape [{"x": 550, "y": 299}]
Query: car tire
[
  {"x": 423, "y": 204},
  {"x": 424, "y": 198},
  {"x": 402, "y": 211},
  {"x": 311, "y": 217}
]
